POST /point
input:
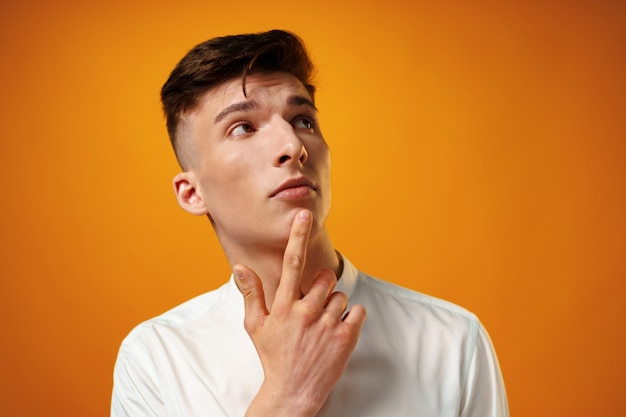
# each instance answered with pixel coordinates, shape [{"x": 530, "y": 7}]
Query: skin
[{"x": 259, "y": 168}]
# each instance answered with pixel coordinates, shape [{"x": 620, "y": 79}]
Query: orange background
[{"x": 479, "y": 156}]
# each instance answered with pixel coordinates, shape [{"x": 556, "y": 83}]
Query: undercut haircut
[{"x": 221, "y": 59}]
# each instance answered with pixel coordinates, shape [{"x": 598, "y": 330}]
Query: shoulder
[
  {"x": 176, "y": 319},
  {"x": 397, "y": 304},
  {"x": 440, "y": 342},
  {"x": 411, "y": 297}
]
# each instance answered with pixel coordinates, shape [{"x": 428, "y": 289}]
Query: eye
[
  {"x": 304, "y": 122},
  {"x": 241, "y": 129}
]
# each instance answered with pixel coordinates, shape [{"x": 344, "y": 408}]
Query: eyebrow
[
  {"x": 250, "y": 105},
  {"x": 301, "y": 101},
  {"x": 241, "y": 106}
]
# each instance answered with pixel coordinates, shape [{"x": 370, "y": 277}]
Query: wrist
[{"x": 274, "y": 402}]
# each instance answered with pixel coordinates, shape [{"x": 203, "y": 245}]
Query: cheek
[
  {"x": 228, "y": 177},
  {"x": 321, "y": 156},
  {"x": 316, "y": 145}
]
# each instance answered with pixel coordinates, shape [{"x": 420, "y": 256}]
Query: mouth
[{"x": 293, "y": 189}]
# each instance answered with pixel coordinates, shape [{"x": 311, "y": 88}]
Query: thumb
[{"x": 251, "y": 288}]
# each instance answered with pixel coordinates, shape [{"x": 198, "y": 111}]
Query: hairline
[{"x": 183, "y": 130}]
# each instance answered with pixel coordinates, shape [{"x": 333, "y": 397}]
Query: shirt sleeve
[
  {"x": 484, "y": 394},
  {"x": 136, "y": 392}
]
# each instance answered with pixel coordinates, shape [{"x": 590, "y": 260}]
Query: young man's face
[{"x": 255, "y": 160}]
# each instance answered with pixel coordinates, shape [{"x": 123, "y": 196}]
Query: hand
[{"x": 304, "y": 343}]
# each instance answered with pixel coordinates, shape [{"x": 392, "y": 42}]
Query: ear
[{"x": 188, "y": 195}]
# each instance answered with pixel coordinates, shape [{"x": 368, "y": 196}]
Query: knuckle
[
  {"x": 309, "y": 311},
  {"x": 346, "y": 335},
  {"x": 247, "y": 292},
  {"x": 341, "y": 298},
  {"x": 328, "y": 279},
  {"x": 300, "y": 231},
  {"x": 293, "y": 260},
  {"x": 338, "y": 301},
  {"x": 250, "y": 325},
  {"x": 329, "y": 320},
  {"x": 254, "y": 325}
]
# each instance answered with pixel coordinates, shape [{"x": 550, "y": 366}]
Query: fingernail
[{"x": 304, "y": 215}]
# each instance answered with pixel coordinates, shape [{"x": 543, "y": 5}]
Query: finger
[
  {"x": 321, "y": 288},
  {"x": 337, "y": 304},
  {"x": 355, "y": 317},
  {"x": 295, "y": 257},
  {"x": 251, "y": 288}
]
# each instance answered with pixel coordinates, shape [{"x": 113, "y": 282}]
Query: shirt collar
[{"x": 345, "y": 284}]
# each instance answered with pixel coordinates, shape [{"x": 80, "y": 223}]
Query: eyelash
[
  {"x": 305, "y": 118},
  {"x": 237, "y": 126},
  {"x": 301, "y": 118}
]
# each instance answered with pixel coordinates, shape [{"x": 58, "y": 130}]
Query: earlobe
[{"x": 187, "y": 194}]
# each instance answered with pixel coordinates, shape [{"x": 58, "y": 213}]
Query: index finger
[{"x": 295, "y": 257}]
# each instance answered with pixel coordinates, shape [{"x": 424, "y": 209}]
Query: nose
[
  {"x": 289, "y": 147},
  {"x": 293, "y": 153}
]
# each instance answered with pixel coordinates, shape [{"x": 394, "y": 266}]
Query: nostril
[
  {"x": 284, "y": 159},
  {"x": 303, "y": 155}
]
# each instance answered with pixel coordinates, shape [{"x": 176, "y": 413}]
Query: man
[{"x": 287, "y": 335}]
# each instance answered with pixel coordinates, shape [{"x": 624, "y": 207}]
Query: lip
[{"x": 294, "y": 188}]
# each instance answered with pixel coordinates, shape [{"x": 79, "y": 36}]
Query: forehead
[
  {"x": 262, "y": 87},
  {"x": 264, "y": 90}
]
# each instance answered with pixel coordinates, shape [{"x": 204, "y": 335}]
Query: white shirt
[{"x": 416, "y": 356}]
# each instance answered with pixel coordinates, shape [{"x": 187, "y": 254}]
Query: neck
[{"x": 267, "y": 262}]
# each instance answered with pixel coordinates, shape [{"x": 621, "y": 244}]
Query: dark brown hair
[{"x": 221, "y": 59}]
